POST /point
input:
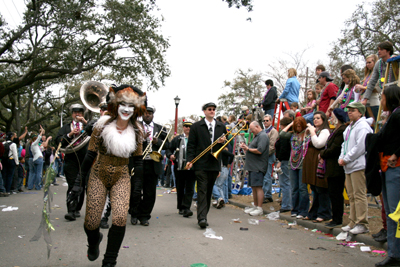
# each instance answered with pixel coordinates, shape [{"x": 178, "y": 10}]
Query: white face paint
[{"x": 125, "y": 111}]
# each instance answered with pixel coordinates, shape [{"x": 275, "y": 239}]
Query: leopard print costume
[{"x": 109, "y": 173}]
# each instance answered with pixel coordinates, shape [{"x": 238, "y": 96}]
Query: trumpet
[
  {"x": 155, "y": 155},
  {"x": 216, "y": 142}
]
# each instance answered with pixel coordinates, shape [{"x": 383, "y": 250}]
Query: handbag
[{"x": 321, "y": 168}]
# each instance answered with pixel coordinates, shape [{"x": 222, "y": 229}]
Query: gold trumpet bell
[{"x": 155, "y": 156}]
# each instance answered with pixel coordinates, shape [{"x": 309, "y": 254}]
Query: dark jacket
[
  {"x": 62, "y": 136},
  {"x": 270, "y": 98},
  {"x": 332, "y": 152},
  {"x": 173, "y": 145},
  {"x": 282, "y": 146},
  {"x": 199, "y": 140},
  {"x": 158, "y": 168},
  {"x": 226, "y": 157}
]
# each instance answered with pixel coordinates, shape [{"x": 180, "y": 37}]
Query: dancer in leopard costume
[{"x": 117, "y": 137}]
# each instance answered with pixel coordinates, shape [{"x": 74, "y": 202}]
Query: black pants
[
  {"x": 146, "y": 203},
  {"x": 136, "y": 189},
  {"x": 205, "y": 184},
  {"x": 184, "y": 188},
  {"x": 335, "y": 190},
  {"x": 71, "y": 170}
]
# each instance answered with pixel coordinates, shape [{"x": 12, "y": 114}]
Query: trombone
[
  {"x": 156, "y": 155},
  {"x": 216, "y": 142},
  {"x": 150, "y": 144},
  {"x": 216, "y": 154}
]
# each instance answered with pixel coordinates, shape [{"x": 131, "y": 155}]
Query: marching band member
[
  {"x": 202, "y": 134},
  {"x": 73, "y": 161},
  {"x": 141, "y": 207},
  {"x": 185, "y": 179}
]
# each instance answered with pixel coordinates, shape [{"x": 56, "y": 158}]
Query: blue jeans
[
  {"x": 309, "y": 118},
  {"x": 35, "y": 175},
  {"x": 284, "y": 182},
  {"x": 391, "y": 198},
  {"x": 219, "y": 183},
  {"x": 270, "y": 112},
  {"x": 226, "y": 191},
  {"x": 173, "y": 175},
  {"x": 267, "y": 184},
  {"x": 300, "y": 200},
  {"x": 321, "y": 205},
  {"x": 229, "y": 184},
  {"x": 2, "y": 188},
  {"x": 8, "y": 173}
]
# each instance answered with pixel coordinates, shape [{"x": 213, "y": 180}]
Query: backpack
[{"x": 6, "y": 151}]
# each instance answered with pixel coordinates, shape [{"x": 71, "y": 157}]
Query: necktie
[{"x": 77, "y": 126}]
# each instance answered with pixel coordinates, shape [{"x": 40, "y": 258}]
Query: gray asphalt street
[{"x": 170, "y": 240}]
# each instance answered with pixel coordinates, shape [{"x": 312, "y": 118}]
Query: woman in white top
[
  {"x": 35, "y": 175},
  {"x": 321, "y": 206},
  {"x": 10, "y": 164}
]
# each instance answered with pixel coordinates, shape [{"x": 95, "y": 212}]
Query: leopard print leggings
[{"x": 104, "y": 178}]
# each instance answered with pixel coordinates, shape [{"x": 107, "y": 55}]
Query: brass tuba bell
[{"x": 92, "y": 94}]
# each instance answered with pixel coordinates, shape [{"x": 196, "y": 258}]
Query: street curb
[{"x": 367, "y": 240}]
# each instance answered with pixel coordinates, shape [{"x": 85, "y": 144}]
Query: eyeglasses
[
  {"x": 187, "y": 126},
  {"x": 265, "y": 120},
  {"x": 211, "y": 109}
]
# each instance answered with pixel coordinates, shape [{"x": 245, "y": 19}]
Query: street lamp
[{"x": 177, "y": 100}]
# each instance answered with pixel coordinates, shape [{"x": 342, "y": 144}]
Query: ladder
[
  {"x": 393, "y": 63},
  {"x": 282, "y": 103}
]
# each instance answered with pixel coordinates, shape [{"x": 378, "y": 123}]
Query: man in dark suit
[
  {"x": 141, "y": 206},
  {"x": 185, "y": 179},
  {"x": 73, "y": 161},
  {"x": 202, "y": 134},
  {"x": 268, "y": 104}
]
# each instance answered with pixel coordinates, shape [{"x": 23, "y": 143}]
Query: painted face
[{"x": 125, "y": 111}]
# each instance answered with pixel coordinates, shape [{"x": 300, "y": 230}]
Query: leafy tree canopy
[
  {"x": 365, "y": 29},
  {"x": 61, "y": 39}
]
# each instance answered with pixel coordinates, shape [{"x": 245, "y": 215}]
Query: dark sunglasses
[
  {"x": 265, "y": 120},
  {"x": 103, "y": 109},
  {"x": 187, "y": 126},
  {"x": 211, "y": 109}
]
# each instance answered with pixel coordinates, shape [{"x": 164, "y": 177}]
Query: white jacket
[{"x": 353, "y": 150}]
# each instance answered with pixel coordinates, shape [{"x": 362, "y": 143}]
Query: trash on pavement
[
  {"x": 253, "y": 221},
  {"x": 236, "y": 220},
  {"x": 314, "y": 230},
  {"x": 273, "y": 216},
  {"x": 198, "y": 265},
  {"x": 293, "y": 223},
  {"x": 210, "y": 233},
  {"x": 318, "y": 248},
  {"x": 21, "y": 236},
  {"x": 10, "y": 208},
  {"x": 244, "y": 229},
  {"x": 365, "y": 249},
  {"x": 125, "y": 246}
]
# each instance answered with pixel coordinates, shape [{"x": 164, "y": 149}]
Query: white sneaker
[
  {"x": 300, "y": 217},
  {"x": 257, "y": 211},
  {"x": 359, "y": 229},
  {"x": 347, "y": 228},
  {"x": 220, "y": 203},
  {"x": 249, "y": 209},
  {"x": 293, "y": 215}
]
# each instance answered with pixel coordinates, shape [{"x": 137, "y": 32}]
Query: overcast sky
[{"x": 210, "y": 41}]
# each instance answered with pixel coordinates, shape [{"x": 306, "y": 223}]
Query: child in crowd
[
  {"x": 295, "y": 107},
  {"x": 318, "y": 90},
  {"x": 308, "y": 110}
]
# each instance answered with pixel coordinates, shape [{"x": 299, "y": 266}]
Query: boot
[
  {"x": 94, "y": 238},
  {"x": 115, "y": 236}
]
